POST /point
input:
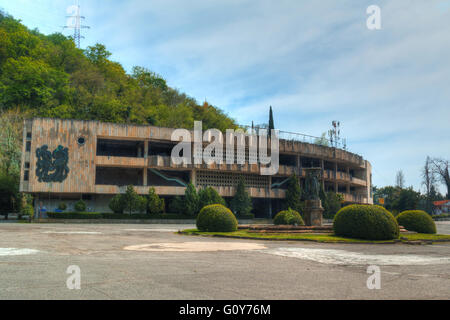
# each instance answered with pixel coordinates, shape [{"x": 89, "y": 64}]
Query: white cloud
[{"x": 313, "y": 61}]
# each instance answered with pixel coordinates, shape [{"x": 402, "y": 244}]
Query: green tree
[
  {"x": 408, "y": 199},
  {"x": 241, "y": 204},
  {"x": 132, "y": 201},
  {"x": 176, "y": 205},
  {"x": 80, "y": 206},
  {"x": 191, "y": 201},
  {"x": 294, "y": 194},
  {"x": 117, "y": 204},
  {"x": 209, "y": 196},
  {"x": 155, "y": 204},
  {"x": 390, "y": 195},
  {"x": 98, "y": 54},
  {"x": 332, "y": 204},
  {"x": 322, "y": 141},
  {"x": 271, "y": 123}
]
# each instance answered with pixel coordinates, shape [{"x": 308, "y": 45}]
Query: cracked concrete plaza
[{"x": 153, "y": 262}]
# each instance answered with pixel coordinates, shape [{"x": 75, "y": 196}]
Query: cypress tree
[
  {"x": 191, "y": 201},
  {"x": 271, "y": 124},
  {"x": 241, "y": 204},
  {"x": 293, "y": 194},
  {"x": 155, "y": 204},
  {"x": 209, "y": 196},
  {"x": 132, "y": 201}
]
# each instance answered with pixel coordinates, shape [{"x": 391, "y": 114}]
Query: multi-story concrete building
[{"x": 68, "y": 160}]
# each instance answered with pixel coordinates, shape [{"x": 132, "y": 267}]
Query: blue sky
[{"x": 313, "y": 61}]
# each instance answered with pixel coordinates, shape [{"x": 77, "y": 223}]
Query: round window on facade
[{"x": 81, "y": 141}]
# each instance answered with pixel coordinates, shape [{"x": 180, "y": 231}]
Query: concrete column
[
  {"x": 299, "y": 167},
  {"x": 145, "y": 171},
  {"x": 145, "y": 163},
  {"x": 322, "y": 165},
  {"x": 146, "y": 149},
  {"x": 270, "y": 208},
  {"x": 336, "y": 187},
  {"x": 193, "y": 177}
]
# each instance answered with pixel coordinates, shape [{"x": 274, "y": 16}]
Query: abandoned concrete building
[{"x": 69, "y": 160}]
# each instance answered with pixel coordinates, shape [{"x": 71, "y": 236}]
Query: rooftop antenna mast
[
  {"x": 74, "y": 22},
  {"x": 335, "y": 135}
]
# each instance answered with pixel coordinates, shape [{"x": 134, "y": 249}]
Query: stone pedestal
[{"x": 313, "y": 213}]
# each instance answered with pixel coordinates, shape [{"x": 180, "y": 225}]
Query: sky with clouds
[{"x": 313, "y": 61}]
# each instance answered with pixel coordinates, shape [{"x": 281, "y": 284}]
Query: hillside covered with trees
[{"x": 47, "y": 76}]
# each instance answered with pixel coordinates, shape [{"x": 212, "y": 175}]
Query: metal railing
[{"x": 300, "y": 137}]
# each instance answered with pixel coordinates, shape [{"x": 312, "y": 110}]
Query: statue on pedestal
[{"x": 313, "y": 205}]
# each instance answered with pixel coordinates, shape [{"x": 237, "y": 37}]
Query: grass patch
[
  {"x": 425, "y": 236},
  {"x": 325, "y": 238}
]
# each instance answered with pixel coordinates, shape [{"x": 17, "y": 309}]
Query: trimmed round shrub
[
  {"x": 288, "y": 217},
  {"x": 216, "y": 218},
  {"x": 62, "y": 206},
  {"x": 369, "y": 222},
  {"x": 417, "y": 220},
  {"x": 80, "y": 206}
]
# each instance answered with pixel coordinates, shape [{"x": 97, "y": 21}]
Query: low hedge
[
  {"x": 441, "y": 216},
  {"x": 369, "y": 222},
  {"x": 288, "y": 217},
  {"x": 74, "y": 215},
  {"x": 417, "y": 220},
  {"x": 96, "y": 215},
  {"x": 248, "y": 216},
  {"x": 216, "y": 218},
  {"x": 143, "y": 216}
]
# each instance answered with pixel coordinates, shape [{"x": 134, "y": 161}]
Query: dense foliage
[
  {"x": 80, "y": 206},
  {"x": 47, "y": 76},
  {"x": 176, "y": 205},
  {"x": 209, "y": 196},
  {"x": 155, "y": 204},
  {"x": 416, "y": 220},
  {"x": 132, "y": 201},
  {"x": 331, "y": 203},
  {"x": 288, "y": 217},
  {"x": 216, "y": 218},
  {"x": 294, "y": 194},
  {"x": 398, "y": 199},
  {"x": 366, "y": 222},
  {"x": 191, "y": 201},
  {"x": 116, "y": 204},
  {"x": 241, "y": 204},
  {"x": 50, "y": 77}
]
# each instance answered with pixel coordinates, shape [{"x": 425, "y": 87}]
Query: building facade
[{"x": 69, "y": 160}]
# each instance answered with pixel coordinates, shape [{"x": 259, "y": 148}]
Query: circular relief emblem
[{"x": 81, "y": 141}]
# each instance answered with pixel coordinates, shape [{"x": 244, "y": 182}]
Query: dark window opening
[
  {"x": 120, "y": 148},
  {"x": 119, "y": 176},
  {"x": 26, "y": 175},
  {"x": 86, "y": 197},
  {"x": 28, "y": 146},
  {"x": 81, "y": 141},
  {"x": 288, "y": 160},
  {"x": 310, "y": 162},
  {"x": 161, "y": 149},
  {"x": 27, "y": 165},
  {"x": 28, "y": 135}
]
